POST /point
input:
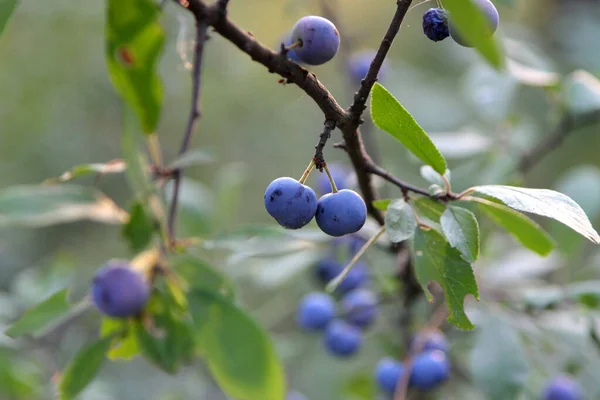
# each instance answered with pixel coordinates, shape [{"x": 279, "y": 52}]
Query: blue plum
[
  {"x": 342, "y": 339},
  {"x": 435, "y": 24},
  {"x": 360, "y": 307},
  {"x": 387, "y": 374},
  {"x": 429, "y": 370},
  {"x": 340, "y": 175},
  {"x": 562, "y": 387},
  {"x": 341, "y": 213},
  {"x": 320, "y": 40},
  {"x": 118, "y": 291},
  {"x": 292, "y": 204},
  {"x": 359, "y": 63},
  {"x": 491, "y": 15},
  {"x": 434, "y": 340},
  {"x": 315, "y": 311}
]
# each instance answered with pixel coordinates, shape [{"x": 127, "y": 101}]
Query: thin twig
[
  {"x": 194, "y": 115},
  {"x": 323, "y": 138},
  {"x": 566, "y": 126}
]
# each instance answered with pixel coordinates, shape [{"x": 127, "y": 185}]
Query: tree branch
[
  {"x": 323, "y": 138},
  {"x": 565, "y": 127},
  {"x": 360, "y": 98},
  {"x": 194, "y": 115}
]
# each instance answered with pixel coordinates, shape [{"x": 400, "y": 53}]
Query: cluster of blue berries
[
  {"x": 118, "y": 291},
  {"x": 429, "y": 368},
  {"x": 293, "y": 205},
  {"x": 437, "y": 24},
  {"x": 314, "y": 41}
]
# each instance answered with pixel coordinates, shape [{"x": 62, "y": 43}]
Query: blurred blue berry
[
  {"x": 429, "y": 370},
  {"x": 360, "y": 307},
  {"x": 327, "y": 269},
  {"x": 435, "y": 24},
  {"x": 340, "y": 175},
  {"x": 342, "y": 339},
  {"x": 387, "y": 374},
  {"x": 562, "y": 387},
  {"x": 357, "y": 277},
  {"x": 430, "y": 341},
  {"x": 315, "y": 311}
]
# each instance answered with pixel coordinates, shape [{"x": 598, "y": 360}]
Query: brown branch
[
  {"x": 194, "y": 115},
  {"x": 565, "y": 127},
  {"x": 360, "y": 98},
  {"x": 323, "y": 138}
]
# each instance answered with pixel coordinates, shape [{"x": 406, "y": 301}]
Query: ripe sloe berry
[
  {"x": 429, "y": 370},
  {"x": 387, "y": 374},
  {"x": 435, "y": 24},
  {"x": 118, "y": 291},
  {"x": 315, "y": 311},
  {"x": 291, "y": 203},
  {"x": 562, "y": 387},
  {"x": 340, "y": 175},
  {"x": 358, "y": 66},
  {"x": 320, "y": 40},
  {"x": 342, "y": 339},
  {"x": 491, "y": 15},
  {"x": 341, "y": 213},
  {"x": 360, "y": 307},
  {"x": 430, "y": 341}
]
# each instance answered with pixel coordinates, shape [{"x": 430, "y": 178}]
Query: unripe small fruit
[
  {"x": 489, "y": 12},
  {"x": 291, "y": 203},
  {"x": 315, "y": 311},
  {"x": 360, "y": 307},
  {"x": 387, "y": 374},
  {"x": 341, "y": 213},
  {"x": 435, "y": 24},
  {"x": 342, "y": 339},
  {"x": 429, "y": 370},
  {"x": 118, "y": 291},
  {"x": 320, "y": 40},
  {"x": 562, "y": 387}
]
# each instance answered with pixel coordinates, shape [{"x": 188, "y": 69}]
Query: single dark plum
[
  {"x": 341, "y": 213},
  {"x": 320, "y": 40},
  {"x": 360, "y": 307},
  {"x": 119, "y": 291},
  {"x": 291, "y": 203},
  {"x": 429, "y": 370},
  {"x": 435, "y": 24},
  {"x": 387, "y": 374}
]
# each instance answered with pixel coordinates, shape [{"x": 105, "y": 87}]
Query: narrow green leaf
[
  {"x": 544, "y": 202},
  {"x": 192, "y": 158},
  {"x": 400, "y": 222},
  {"x": 473, "y": 26},
  {"x": 498, "y": 363},
  {"x": 525, "y": 230},
  {"x": 134, "y": 42},
  {"x": 238, "y": 351},
  {"x": 436, "y": 260},
  {"x": 110, "y": 167},
  {"x": 83, "y": 368},
  {"x": 382, "y": 204},
  {"x": 35, "y": 320},
  {"x": 7, "y": 7},
  {"x": 389, "y": 115},
  {"x": 140, "y": 228},
  {"x": 36, "y": 206},
  {"x": 200, "y": 275},
  {"x": 124, "y": 345},
  {"x": 462, "y": 231}
]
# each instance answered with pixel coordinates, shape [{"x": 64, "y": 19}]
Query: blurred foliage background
[{"x": 58, "y": 109}]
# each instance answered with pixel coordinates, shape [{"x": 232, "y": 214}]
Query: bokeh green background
[{"x": 58, "y": 109}]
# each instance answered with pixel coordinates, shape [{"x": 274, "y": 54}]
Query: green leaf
[
  {"x": 382, "y": 204},
  {"x": 582, "y": 92},
  {"x": 360, "y": 387},
  {"x": 192, "y": 158},
  {"x": 498, "y": 363},
  {"x": 462, "y": 231},
  {"x": 83, "y": 368},
  {"x": 36, "y": 206},
  {"x": 137, "y": 164},
  {"x": 526, "y": 231},
  {"x": 111, "y": 167},
  {"x": 124, "y": 345},
  {"x": 37, "y": 319},
  {"x": 400, "y": 222},
  {"x": 430, "y": 209},
  {"x": 200, "y": 275},
  {"x": 140, "y": 228},
  {"x": 237, "y": 350},
  {"x": 431, "y": 176},
  {"x": 389, "y": 115},
  {"x": 7, "y": 7},
  {"x": 436, "y": 260},
  {"x": 544, "y": 202},
  {"x": 134, "y": 42},
  {"x": 473, "y": 26}
]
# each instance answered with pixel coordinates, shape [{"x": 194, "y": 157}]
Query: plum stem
[
  {"x": 306, "y": 173},
  {"x": 334, "y": 188}
]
